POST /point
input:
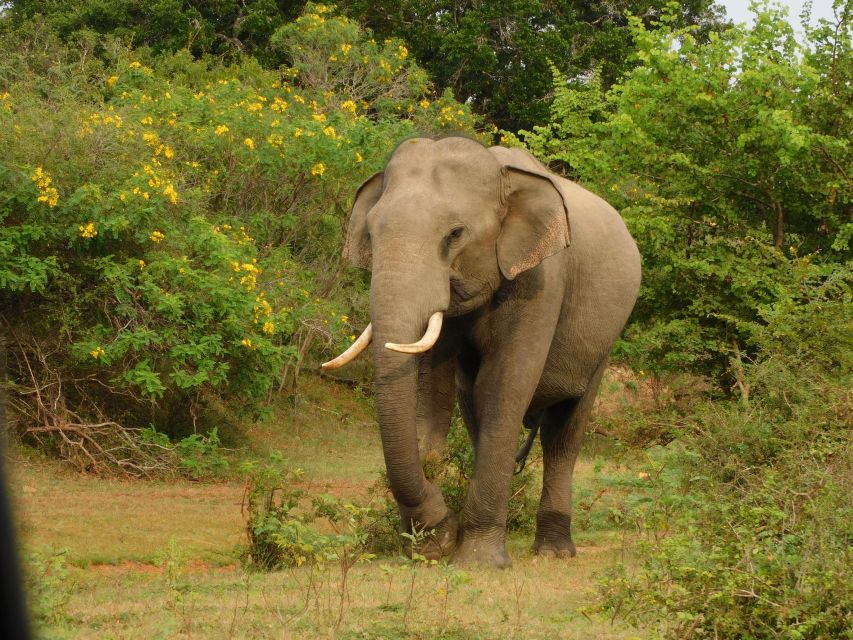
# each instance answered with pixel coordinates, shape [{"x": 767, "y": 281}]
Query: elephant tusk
[
  {"x": 425, "y": 343},
  {"x": 350, "y": 354}
]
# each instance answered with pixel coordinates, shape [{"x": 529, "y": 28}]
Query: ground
[{"x": 147, "y": 559}]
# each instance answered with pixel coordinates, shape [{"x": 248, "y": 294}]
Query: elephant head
[{"x": 441, "y": 228}]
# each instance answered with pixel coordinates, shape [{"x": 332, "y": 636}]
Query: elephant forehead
[{"x": 453, "y": 166}]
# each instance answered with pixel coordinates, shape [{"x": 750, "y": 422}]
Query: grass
[{"x": 162, "y": 560}]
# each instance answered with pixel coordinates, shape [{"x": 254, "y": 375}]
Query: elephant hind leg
[{"x": 561, "y": 435}]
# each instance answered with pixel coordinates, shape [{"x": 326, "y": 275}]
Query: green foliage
[
  {"x": 497, "y": 54},
  {"x": 48, "y": 588},
  {"x": 730, "y": 174},
  {"x": 220, "y": 27},
  {"x": 749, "y": 533},
  {"x": 171, "y": 230},
  {"x": 284, "y": 531},
  {"x": 201, "y": 456}
]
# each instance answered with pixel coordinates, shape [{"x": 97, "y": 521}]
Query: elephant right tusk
[
  {"x": 350, "y": 354},
  {"x": 425, "y": 343}
]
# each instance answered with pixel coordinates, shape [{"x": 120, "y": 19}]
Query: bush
[
  {"x": 284, "y": 531},
  {"x": 751, "y": 533},
  {"x": 171, "y": 229},
  {"x": 727, "y": 158},
  {"x": 453, "y": 471}
]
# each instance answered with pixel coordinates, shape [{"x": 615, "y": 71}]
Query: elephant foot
[
  {"x": 484, "y": 552},
  {"x": 554, "y": 535},
  {"x": 554, "y": 549}
]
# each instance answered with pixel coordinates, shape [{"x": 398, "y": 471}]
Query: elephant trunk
[{"x": 401, "y": 304}]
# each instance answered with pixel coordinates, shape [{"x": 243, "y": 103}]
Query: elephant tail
[{"x": 532, "y": 422}]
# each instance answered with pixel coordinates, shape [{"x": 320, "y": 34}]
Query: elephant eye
[{"x": 454, "y": 235}]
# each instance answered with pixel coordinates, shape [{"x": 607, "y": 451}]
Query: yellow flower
[
  {"x": 318, "y": 169},
  {"x": 297, "y": 132},
  {"x": 268, "y": 328},
  {"x": 88, "y": 230},
  {"x": 247, "y": 342},
  {"x": 41, "y": 178},
  {"x": 157, "y": 236},
  {"x": 147, "y": 120},
  {"x": 319, "y": 117},
  {"x": 48, "y": 195},
  {"x": 135, "y": 65},
  {"x": 142, "y": 264},
  {"x": 358, "y": 157},
  {"x": 249, "y": 143},
  {"x": 97, "y": 353},
  {"x": 348, "y": 105},
  {"x": 170, "y": 193},
  {"x": 112, "y": 80},
  {"x": 330, "y": 132},
  {"x": 346, "y": 48},
  {"x": 402, "y": 52},
  {"x": 221, "y": 129}
]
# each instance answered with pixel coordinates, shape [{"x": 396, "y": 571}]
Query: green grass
[{"x": 162, "y": 559}]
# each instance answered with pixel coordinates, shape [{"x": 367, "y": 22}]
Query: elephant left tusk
[
  {"x": 425, "y": 343},
  {"x": 354, "y": 349}
]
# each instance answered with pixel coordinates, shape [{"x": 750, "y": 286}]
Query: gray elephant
[{"x": 523, "y": 281}]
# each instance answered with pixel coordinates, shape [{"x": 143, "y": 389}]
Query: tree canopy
[{"x": 496, "y": 55}]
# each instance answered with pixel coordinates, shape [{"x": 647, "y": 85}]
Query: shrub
[
  {"x": 171, "y": 229},
  {"x": 453, "y": 471},
  {"x": 283, "y": 530},
  {"x": 727, "y": 159},
  {"x": 750, "y": 535}
]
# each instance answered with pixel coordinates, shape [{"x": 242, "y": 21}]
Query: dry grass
[{"x": 150, "y": 559}]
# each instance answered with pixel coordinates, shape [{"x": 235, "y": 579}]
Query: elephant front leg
[{"x": 501, "y": 397}]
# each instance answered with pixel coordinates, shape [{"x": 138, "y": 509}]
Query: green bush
[
  {"x": 171, "y": 227},
  {"x": 750, "y": 534},
  {"x": 283, "y": 521},
  {"x": 728, "y": 158}
]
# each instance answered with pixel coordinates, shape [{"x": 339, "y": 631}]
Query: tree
[
  {"x": 496, "y": 54},
  {"x": 219, "y": 27},
  {"x": 730, "y": 160}
]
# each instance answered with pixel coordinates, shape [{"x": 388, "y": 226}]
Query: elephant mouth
[{"x": 462, "y": 290}]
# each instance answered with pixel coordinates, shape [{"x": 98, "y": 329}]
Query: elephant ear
[
  {"x": 536, "y": 222},
  {"x": 357, "y": 245}
]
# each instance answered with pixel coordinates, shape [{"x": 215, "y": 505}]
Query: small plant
[
  {"x": 414, "y": 541},
  {"x": 201, "y": 456},
  {"x": 48, "y": 587},
  {"x": 282, "y": 521}
]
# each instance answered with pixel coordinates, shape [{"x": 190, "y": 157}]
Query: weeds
[{"x": 49, "y": 587}]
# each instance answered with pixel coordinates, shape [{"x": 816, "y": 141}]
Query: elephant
[{"x": 502, "y": 285}]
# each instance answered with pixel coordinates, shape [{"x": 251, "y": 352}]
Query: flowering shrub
[{"x": 171, "y": 234}]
